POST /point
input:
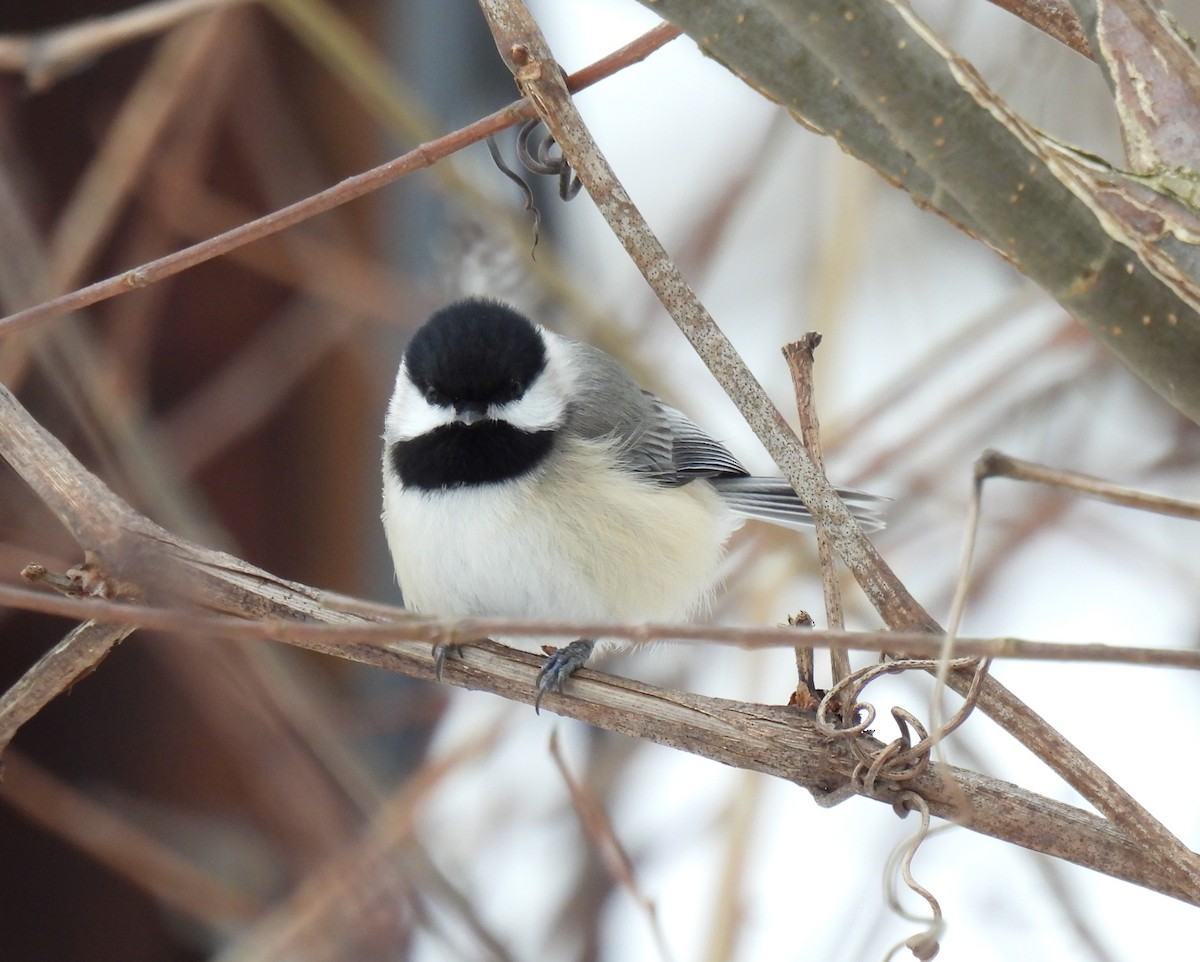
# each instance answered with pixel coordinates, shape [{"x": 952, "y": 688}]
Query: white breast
[{"x": 575, "y": 540}]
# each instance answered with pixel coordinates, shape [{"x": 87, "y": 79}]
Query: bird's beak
[{"x": 469, "y": 414}]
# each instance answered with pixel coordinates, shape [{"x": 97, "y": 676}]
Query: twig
[
  {"x": 806, "y": 687},
  {"x": 325, "y": 271},
  {"x": 347, "y": 190},
  {"x": 799, "y": 357},
  {"x": 994, "y": 464},
  {"x": 378, "y": 624}
]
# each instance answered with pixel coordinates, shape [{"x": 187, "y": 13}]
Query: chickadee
[{"x": 527, "y": 475}]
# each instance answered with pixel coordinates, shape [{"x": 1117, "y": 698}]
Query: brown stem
[{"x": 799, "y": 357}]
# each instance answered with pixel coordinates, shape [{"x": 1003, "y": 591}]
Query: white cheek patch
[
  {"x": 543, "y": 406},
  {"x": 409, "y": 415},
  {"x": 540, "y": 408}
]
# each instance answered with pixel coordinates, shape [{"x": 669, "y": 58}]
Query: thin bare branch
[
  {"x": 994, "y": 464},
  {"x": 374, "y": 625},
  {"x": 799, "y": 357}
]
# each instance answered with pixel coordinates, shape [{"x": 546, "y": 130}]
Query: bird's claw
[
  {"x": 559, "y": 666},
  {"x": 440, "y": 654}
]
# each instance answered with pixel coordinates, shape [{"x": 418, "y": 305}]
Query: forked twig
[{"x": 799, "y": 357}]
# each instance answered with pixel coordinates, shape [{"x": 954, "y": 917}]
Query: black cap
[{"x": 475, "y": 352}]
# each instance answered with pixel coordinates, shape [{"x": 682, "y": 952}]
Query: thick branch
[{"x": 774, "y": 740}]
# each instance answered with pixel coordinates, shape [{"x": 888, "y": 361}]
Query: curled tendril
[
  {"x": 893, "y": 767},
  {"x": 538, "y": 159},
  {"x": 924, "y": 945},
  {"x": 896, "y": 762},
  {"x": 517, "y": 179},
  {"x": 900, "y": 761}
]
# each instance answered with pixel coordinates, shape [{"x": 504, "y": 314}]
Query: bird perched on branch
[{"x": 527, "y": 475}]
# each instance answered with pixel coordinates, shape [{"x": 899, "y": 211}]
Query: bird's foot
[
  {"x": 560, "y": 666},
  {"x": 441, "y": 653}
]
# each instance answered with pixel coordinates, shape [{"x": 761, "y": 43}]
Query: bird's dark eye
[
  {"x": 516, "y": 387},
  {"x": 434, "y": 396}
]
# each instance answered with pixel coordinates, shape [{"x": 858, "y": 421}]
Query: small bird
[{"x": 527, "y": 475}]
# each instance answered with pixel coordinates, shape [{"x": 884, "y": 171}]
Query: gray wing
[
  {"x": 663, "y": 445},
  {"x": 651, "y": 438}
]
